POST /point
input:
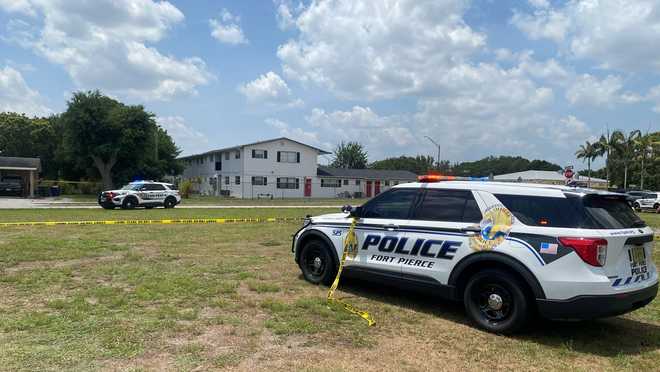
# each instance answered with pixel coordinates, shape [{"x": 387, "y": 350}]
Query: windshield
[{"x": 132, "y": 186}]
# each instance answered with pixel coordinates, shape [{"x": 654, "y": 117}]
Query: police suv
[
  {"x": 507, "y": 251},
  {"x": 146, "y": 194}
]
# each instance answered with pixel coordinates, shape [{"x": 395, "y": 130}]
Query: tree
[
  {"x": 587, "y": 152},
  {"x": 606, "y": 145},
  {"x": 501, "y": 165},
  {"x": 419, "y": 164},
  {"x": 350, "y": 155},
  {"x": 101, "y": 132},
  {"x": 625, "y": 148}
]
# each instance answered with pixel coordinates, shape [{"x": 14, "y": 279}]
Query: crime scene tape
[
  {"x": 154, "y": 222},
  {"x": 350, "y": 247}
]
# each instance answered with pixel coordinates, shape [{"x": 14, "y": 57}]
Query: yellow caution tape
[
  {"x": 350, "y": 248},
  {"x": 153, "y": 222}
]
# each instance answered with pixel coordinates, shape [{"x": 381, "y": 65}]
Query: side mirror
[{"x": 352, "y": 211}]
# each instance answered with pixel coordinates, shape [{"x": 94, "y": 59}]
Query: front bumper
[{"x": 591, "y": 307}]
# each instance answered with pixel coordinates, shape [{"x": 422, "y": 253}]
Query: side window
[
  {"x": 393, "y": 204},
  {"x": 448, "y": 205},
  {"x": 155, "y": 187}
]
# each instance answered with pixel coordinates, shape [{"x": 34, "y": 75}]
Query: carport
[{"x": 25, "y": 168}]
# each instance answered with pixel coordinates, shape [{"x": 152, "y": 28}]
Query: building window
[
  {"x": 387, "y": 183},
  {"x": 238, "y": 154},
  {"x": 288, "y": 157},
  {"x": 218, "y": 165},
  {"x": 357, "y": 182},
  {"x": 259, "y": 154},
  {"x": 227, "y": 155},
  {"x": 288, "y": 183},
  {"x": 345, "y": 182},
  {"x": 330, "y": 183},
  {"x": 237, "y": 179},
  {"x": 259, "y": 181},
  {"x": 226, "y": 180}
]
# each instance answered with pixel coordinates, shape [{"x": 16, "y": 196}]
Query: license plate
[{"x": 637, "y": 257}]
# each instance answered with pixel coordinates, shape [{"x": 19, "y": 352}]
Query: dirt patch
[{"x": 38, "y": 265}]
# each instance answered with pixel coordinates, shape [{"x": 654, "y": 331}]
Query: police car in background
[
  {"x": 507, "y": 251},
  {"x": 146, "y": 194}
]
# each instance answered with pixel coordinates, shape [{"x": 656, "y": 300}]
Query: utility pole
[{"x": 435, "y": 143}]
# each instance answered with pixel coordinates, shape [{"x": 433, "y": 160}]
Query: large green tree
[
  {"x": 587, "y": 152},
  {"x": 419, "y": 164},
  {"x": 350, "y": 155},
  {"x": 115, "y": 139},
  {"x": 501, "y": 165}
]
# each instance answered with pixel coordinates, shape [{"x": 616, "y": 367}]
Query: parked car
[
  {"x": 649, "y": 201},
  {"x": 634, "y": 195},
  {"x": 11, "y": 186},
  {"x": 147, "y": 194},
  {"x": 506, "y": 251}
]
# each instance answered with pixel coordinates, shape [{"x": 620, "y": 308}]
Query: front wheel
[
  {"x": 316, "y": 263},
  {"x": 169, "y": 203},
  {"x": 129, "y": 203},
  {"x": 496, "y": 301}
]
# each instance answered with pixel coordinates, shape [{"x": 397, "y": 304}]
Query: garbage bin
[{"x": 54, "y": 190}]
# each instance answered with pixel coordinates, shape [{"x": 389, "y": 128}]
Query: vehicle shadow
[{"x": 608, "y": 337}]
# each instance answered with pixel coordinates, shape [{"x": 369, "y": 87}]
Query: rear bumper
[{"x": 591, "y": 307}]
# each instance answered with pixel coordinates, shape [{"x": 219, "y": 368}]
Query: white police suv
[
  {"x": 146, "y": 194},
  {"x": 508, "y": 251}
]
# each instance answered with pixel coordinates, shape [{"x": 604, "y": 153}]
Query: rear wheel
[
  {"x": 636, "y": 206},
  {"x": 496, "y": 301},
  {"x": 129, "y": 203},
  {"x": 316, "y": 263}
]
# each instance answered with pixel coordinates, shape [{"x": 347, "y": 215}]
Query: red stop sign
[{"x": 568, "y": 173}]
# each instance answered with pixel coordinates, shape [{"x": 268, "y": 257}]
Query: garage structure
[{"x": 25, "y": 170}]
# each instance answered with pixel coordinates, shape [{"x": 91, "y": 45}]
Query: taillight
[{"x": 591, "y": 250}]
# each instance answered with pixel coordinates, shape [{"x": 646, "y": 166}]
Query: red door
[
  {"x": 368, "y": 189},
  {"x": 377, "y": 191},
  {"x": 308, "y": 187}
]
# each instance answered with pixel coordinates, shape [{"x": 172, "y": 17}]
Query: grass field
[
  {"x": 213, "y": 200},
  {"x": 200, "y": 297}
]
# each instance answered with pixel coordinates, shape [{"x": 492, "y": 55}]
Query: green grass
[
  {"x": 217, "y": 200},
  {"x": 186, "y": 297}
]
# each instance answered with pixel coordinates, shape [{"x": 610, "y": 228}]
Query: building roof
[
  {"x": 541, "y": 175},
  {"x": 7, "y": 162},
  {"x": 378, "y": 174},
  {"x": 321, "y": 152}
]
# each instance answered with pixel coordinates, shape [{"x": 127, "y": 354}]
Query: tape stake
[{"x": 350, "y": 248}]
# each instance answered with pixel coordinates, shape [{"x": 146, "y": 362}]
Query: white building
[
  {"x": 281, "y": 168},
  {"x": 548, "y": 177}
]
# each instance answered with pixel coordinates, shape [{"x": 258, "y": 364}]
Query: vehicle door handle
[
  {"x": 471, "y": 229},
  {"x": 391, "y": 227}
]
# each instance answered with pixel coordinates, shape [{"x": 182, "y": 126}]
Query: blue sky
[{"x": 532, "y": 78}]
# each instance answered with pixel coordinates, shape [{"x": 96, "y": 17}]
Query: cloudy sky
[{"x": 532, "y": 78}]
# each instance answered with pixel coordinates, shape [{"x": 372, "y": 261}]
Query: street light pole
[{"x": 435, "y": 143}]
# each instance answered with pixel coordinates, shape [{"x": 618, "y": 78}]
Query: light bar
[{"x": 428, "y": 178}]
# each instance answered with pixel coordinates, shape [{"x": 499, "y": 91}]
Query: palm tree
[
  {"x": 626, "y": 147},
  {"x": 606, "y": 146},
  {"x": 589, "y": 151},
  {"x": 645, "y": 150}
]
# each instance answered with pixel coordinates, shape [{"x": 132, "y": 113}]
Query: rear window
[{"x": 589, "y": 212}]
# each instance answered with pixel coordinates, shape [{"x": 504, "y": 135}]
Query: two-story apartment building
[{"x": 281, "y": 168}]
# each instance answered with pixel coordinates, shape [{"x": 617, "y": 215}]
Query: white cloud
[
  {"x": 17, "y": 96},
  {"x": 227, "y": 29},
  {"x": 544, "y": 23},
  {"x": 269, "y": 89},
  {"x": 378, "y": 49},
  {"x": 539, "y": 3},
  {"x": 17, "y": 6},
  {"x": 103, "y": 44},
  {"x": 616, "y": 34},
  {"x": 589, "y": 90},
  {"x": 298, "y": 134},
  {"x": 187, "y": 138}
]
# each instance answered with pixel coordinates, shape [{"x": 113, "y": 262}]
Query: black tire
[
  {"x": 108, "y": 206},
  {"x": 148, "y": 207},
  {"x": 129, "y": 203},
  {"x": 316, "y": 263},
  {"x": 170, "y": 202},
  {"x": 496, "y": 301},
  {"x": 656, "y": 206},
  {"x": 636, "y": 206}
]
